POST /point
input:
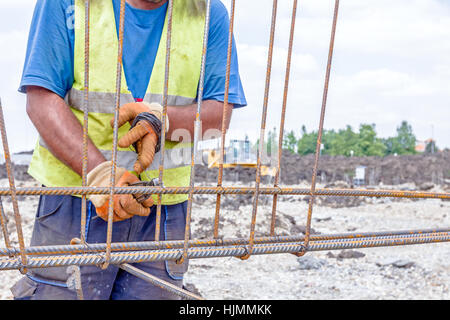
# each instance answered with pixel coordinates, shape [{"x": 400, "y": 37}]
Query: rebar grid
[
  {"x": 102, "y": 254},
  {"x": 121, "y": 257}
]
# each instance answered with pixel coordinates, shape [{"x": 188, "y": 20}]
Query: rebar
[
  {"x": 12, "y": 191},
  {"x": 80, "y": 253},
  {"x": 283, "y": 116},
  {"x": 197, "y": 132},
  {"x": 77, "y": 247},
  {"x": 4, "y": 221},
  {"x": 262, "y": 129},
  {"x": 322, "y": 119},
  {"x": 222, "y": 251},
  {"x": 164, "y": 115},
  {"x": 286, "y": 191},
  {"x": 225, "y": 112},
  {"x": 115, "y": 136},
  {"x": 87, "y": 5}
]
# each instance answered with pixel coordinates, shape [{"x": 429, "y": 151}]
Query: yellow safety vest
[{"x": 185, "y": 63}]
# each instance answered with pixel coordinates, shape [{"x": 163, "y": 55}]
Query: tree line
[{"x": 349, "y": 142}]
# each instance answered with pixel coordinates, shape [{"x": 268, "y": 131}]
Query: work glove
[
  {"x": 125, "y": 205},
  {"x": 145, "y": 120}
]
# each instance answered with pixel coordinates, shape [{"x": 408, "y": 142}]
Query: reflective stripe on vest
[{"x": 185, "y": 62}]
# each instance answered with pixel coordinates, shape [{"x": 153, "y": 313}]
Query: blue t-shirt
[{"x": 49, "y": 60}]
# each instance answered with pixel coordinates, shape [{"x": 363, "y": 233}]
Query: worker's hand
[
  {"x": 143, "y": 135},
  {"x": 125, "y": 205},
  {"x": 129, "y": 111}
]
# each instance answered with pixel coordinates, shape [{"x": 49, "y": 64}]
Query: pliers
[{"x": 142, "y": 197}]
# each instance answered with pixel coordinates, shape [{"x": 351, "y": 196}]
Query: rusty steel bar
[
  {"x": 77, "y": 247},
  {"x": 197, "y": 132},
  {"x": 225, "y": 112},
  {"x": 115, "y": 134},
  {"x": 263, "y": 128},
  {"x": 159, "y": 282},
  {"x": 4, "y": 224},
  {"x": 35, "y": 191},
  {"x": 164, "y": 116},
  {"x": 283, "y": 116},
  {"x": 322, "y": 119},
  {"x": 342, "y": 244},
  {"x": 87, "y": 5},
  {"x": 222, "y": 251},
  {"x": 12, "y": 189}
]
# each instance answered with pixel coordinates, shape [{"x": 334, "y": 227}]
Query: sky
[{"x": 391, "y": 63}]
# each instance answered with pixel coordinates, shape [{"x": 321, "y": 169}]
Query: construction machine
[{"x": 238, "y": 154}]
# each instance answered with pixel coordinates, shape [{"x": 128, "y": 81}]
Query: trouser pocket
[
  {"x": 24, "y": 289},
  {"x": 57, "y": 222}
]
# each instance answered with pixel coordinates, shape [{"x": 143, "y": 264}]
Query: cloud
[{"x": 390, "y": 64}]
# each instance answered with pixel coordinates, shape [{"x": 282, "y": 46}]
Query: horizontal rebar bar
[
  {"x": 222, "y": 251},
  {"x": 34, "y": 191},
  {"x": 175, "y": 244}
]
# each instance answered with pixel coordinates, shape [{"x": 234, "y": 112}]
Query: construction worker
[{"x": 53, "y": 79}]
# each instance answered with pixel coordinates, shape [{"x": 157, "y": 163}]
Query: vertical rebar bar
[
  {"x": 225, "y": 112},
  {"x": 263, "y": 129},
  {"x": 115, "y": 135},
  {"x": 4, "y": 223},
  {"x": 319, "y": 134},
  {"x": 85, "y": 117},
  {"x": 283, "y": 116},
  {"x": 197, "y": 133},
  {"x": 164, "y": 116},
  {"x": 12, "y": 187}
]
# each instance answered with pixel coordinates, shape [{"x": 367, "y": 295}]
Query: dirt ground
[
  {"x": 403, "y": 272},
  {"x": 391, "y": 170}
]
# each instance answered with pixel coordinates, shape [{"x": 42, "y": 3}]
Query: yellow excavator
[{"x": 237, "y": 154}]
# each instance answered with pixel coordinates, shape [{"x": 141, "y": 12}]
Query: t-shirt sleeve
[
  {"x": 216, "y": 60},
  {"x": 49, "y": 56}
]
